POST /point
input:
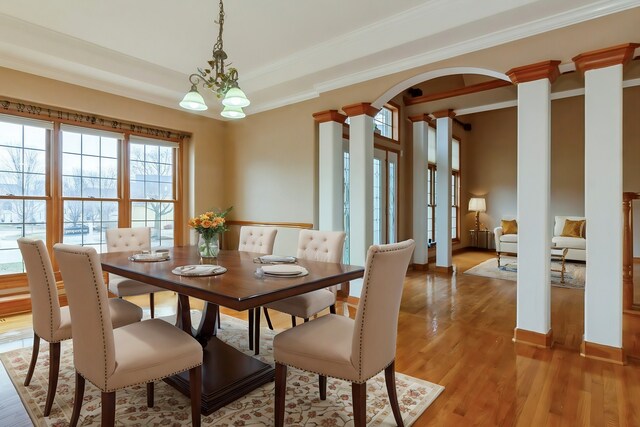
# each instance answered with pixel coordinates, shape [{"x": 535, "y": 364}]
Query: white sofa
[{"x": 508, "y": 243}]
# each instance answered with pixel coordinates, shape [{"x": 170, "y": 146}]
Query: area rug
[
  {"x": 303, "y": 408},
  {"x": 574, "y": 276}
]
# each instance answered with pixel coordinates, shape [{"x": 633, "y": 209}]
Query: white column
[
  {"x": 330, "y": 171},
  {"x": 534, "y": 225},
  {"x": 603, "y": 206},
  {"x": 420, "y": 160},
  {"x": 443, "y": 189},
  {"x": 360, "y": 181}
]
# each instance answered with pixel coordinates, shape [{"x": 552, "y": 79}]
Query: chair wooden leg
[
  {"x": 54, "y": 367},
  {"x": 322, "y": 383},
  {"x": 256, "y": 331},
  {"x": 359, "y": 396},
  {"x": 150, "y": 394},
  {"x": 390, "y": 380},
  {"x": 77, "y": 400},
  {"x": 332, "y": 309},
  {"x": 293, "y": 321},
  {"x": 195, "y": 389},
  {"x": 108, "y": 409},
  {"x": 266, "y": 315},
  {"x": 152, "y": 307},
  {"x": 34, "y": 359},
  {"x": 219, "y": 319},
  {"x": 281, "y": 393},
  {"x": 251, "y": 329}
]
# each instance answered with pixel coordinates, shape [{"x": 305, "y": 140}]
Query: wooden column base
[
  {"x": 445, "y": 270},
  {"x": 420, "y": 267},
  {"x": 604, "y": 353},
  {"x": 536, "y": 339}
]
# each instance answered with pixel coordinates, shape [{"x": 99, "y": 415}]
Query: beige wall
[
  {"x": 203, "y": 171},
  {"x": 271, "y": 157},
  {"x": 491, "y": 168}
]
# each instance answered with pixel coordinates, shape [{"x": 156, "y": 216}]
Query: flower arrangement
[{"x": 209, "y": 225}]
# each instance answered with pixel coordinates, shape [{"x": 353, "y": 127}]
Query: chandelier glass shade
[{"x": 223, "y": 84}]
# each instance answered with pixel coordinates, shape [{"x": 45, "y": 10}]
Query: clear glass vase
[{"x": 208, "y": 247}]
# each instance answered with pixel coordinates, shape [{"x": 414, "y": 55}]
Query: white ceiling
[{"x": 285, "y": 50}]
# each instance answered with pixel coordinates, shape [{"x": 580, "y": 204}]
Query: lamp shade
[
  {"x": 235, "y": 97},
  {"x": 193, "y": 100},
  {"x": 233, "y": 113},
  {"x": 477, "y": 204}
]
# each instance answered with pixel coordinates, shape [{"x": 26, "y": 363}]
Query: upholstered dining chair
[
  {"x": 130, "y": 239},
  {"x": 140, "y": 353},
  {"x": 352, "y": 350},
  {"x": 259, "y": 240},
  {"x": 51, "y": 322},
  {"x": 325, "y": 246}
]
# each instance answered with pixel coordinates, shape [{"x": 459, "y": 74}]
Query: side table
[{"x": 481, "y": 238}]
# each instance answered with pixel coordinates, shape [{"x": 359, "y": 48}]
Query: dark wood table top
[{"x": 238, "y": 288}]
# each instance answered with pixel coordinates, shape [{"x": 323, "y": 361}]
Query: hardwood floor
[{"x": 456, "y": 330}]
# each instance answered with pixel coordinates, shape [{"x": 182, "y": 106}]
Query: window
[
  {"x": 432, "y": 178},
  {"x": 90, "y": 185},
  {"x": 24, "y": 198},
  {"x": 152, "y": 172},
  {"x": 101, "y": 180},
  {"x": 386, "y": 122}
]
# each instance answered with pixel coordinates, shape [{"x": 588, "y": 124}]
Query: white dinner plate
[{"x": 285, "y": 270}]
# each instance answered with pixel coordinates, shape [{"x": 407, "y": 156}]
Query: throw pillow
[
  {"x": 509, "y": 226},
  {"x": 573, "y": 228}
]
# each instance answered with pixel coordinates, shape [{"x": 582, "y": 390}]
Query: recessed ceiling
[{"x": 285, "y": 50}]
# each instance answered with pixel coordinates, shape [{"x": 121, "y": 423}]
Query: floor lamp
[{"x": 477, "y": 205}]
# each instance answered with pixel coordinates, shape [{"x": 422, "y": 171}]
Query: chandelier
[{"x": 223, "y": 84}]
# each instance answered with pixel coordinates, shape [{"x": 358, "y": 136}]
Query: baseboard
[
  {"x": 536, "y": 339},
  {"x": 18, "y": 304},
  {"x": 420, "y": 267},
  {"x": 604, "y": 353},
  {"x": 445, "y": 270}
]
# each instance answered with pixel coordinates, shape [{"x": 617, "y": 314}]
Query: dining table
[{"x": 227, "y": 373}]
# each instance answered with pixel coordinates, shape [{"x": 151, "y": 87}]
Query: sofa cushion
[
  {"x": 559, "y": 223},
  {"x": 509, "y": 226},
  {"x": 509, "y": 238},
  {"x": 569, "y": 242},
  {"x": 573, "y": 228}
]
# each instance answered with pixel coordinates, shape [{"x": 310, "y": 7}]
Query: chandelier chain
[{"x": 220, "y": 22}]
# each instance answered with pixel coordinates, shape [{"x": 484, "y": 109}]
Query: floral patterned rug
[{"x": 304, "y": 407}]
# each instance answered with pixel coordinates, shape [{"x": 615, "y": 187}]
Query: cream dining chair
[
  {"x": 140, "y": 353},
  {"x": 51, "y": 322},
  {"x": 352, "y": 350},
  {"x": 259, "y": 240},
  {"x": 325, "y": 246},
  {"x": 130, "y": 239}
]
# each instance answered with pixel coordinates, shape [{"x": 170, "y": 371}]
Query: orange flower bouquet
[{"x": 209, "y": 225}]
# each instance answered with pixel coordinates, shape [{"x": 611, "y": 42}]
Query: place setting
[
  {"x": 151, "y": 256},
  {"x": 199, "y": 270}
]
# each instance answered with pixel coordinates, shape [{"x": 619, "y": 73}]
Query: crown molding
[
  {"x": 443, "y": 114},
  {"x": 563, "y": 19},
  {"x": 329, "y": 116},
  {"x": 421, "y": 118},
  {"x": 360, "y": 109},
  {"x": 540, "y": 70},
  {"x": 607, "y": 57}
]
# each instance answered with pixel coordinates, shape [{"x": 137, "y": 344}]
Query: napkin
[
  {"x": 276, "y": 259},
  {"x": 158, "y": 256}
]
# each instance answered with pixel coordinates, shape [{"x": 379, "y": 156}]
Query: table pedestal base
[{"x": 227, "y": 374}]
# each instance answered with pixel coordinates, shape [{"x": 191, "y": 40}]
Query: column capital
[
  {"x": 421, "y": 118},
  {"x": 329, "y": 116},
  {"x": 607, "y": 57},
  {"x": 444, "y": 113},
  {"x": 359, "y": 109},
  {"x": 538, "y": 71}
]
